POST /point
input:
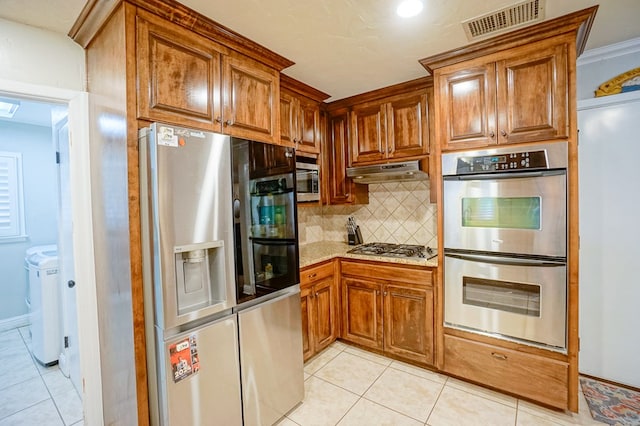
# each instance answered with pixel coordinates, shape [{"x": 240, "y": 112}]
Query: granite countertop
[{"x": 326, "y": 250}]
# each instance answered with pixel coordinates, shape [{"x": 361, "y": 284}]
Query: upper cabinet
[
  {"x": 519, "y": 95},
  {"x": 189, "y": 80},
  {"x": 300, "y": 115},
  {"x": 395, "y": 127},
  {"x": 341, "y": 189}
]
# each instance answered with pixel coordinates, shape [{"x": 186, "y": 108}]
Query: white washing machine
[{"x": 44, "y": 303}]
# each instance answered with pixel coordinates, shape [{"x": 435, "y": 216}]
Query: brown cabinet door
[
  {"x": 269, "y": 160},
  {"x": 362, "y": 312},
  {"x": 339, "y": 184},
  {"x": 288, "y": 119},
  {"x": 408, "y": 322},
  {"x": 307, "y": 322},
  {"x": 308, "y": 126},
  {"x": 532, "y": 94},
  {"x": 466, "y": 99},
  {"x": 325, "y": 317},
  {"x": 251, "y": 99},
  {"x": 408, "y": 125},
  {"x": 368, "y": 133},
  {"x": 178, "y": 75}
]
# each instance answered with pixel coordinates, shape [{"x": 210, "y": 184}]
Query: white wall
[
  {"x": 597, "y": 66},
  {"x": 36, "y": 56},
  {"x": 40, "y": 203}
]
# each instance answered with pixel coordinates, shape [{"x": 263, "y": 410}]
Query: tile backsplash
[{"x": 398, "y": 212}]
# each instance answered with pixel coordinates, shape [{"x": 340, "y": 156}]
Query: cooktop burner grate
[{"x": 393, "y": 250}]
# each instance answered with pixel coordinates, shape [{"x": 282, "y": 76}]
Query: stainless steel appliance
[
  {"x": 188, "y": 274},
  {"x": 267, "y": 279},
  {"x": 407, "y": 251},
  {"x": 390, "y": 172},
  {"x": 193, "y": 256},
  {"x": 505, "y": 242},
  {"x": 307, "y": 181}
]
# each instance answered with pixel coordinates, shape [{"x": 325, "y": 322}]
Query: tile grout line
[{"x": 35, "y": 361}]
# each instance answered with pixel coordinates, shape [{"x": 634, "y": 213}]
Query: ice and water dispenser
[{"x": 199, "y": 271}]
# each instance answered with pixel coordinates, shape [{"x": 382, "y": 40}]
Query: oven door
[
  {"x": 508, "y": 213},
  {"x": 514, "y": 298}
]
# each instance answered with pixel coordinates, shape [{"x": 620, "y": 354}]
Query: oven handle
[
  {"x": 512, "y": 261},
  {"x": 508, "y": 175}
]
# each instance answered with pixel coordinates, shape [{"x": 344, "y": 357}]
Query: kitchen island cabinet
[
  {"x": 319, "y": 303},
  {"x": 389, "y": 308},
  {"x": 188, "y": 80}
]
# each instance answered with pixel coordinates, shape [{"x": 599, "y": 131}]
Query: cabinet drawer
[
  {"x": 316, "y": 272},
  {"x": 534, "y": 377},
  {"x": 388, "y": 272}
]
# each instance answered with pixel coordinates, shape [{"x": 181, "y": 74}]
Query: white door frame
[{"x": 83, "y": 251}]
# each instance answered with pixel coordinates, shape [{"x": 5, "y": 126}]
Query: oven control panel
[{"x": 530, "y": 160}]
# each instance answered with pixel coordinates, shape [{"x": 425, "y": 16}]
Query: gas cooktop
[{"x": 408, "y": 251}]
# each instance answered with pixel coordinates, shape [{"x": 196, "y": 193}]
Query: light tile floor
[
  {"x": 345, "y": 385},
  {"x": 31, "y": 394}
]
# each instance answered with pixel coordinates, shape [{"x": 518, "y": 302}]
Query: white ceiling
[{"x": 346, "y": 47}]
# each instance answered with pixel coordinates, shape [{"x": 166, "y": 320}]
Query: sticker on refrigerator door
[
  {"x": 184, "y": 360},
  {"x": 166, "y": 136}
]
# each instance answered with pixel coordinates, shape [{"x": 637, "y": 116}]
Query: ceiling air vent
[{"x": 505, "y": 19}]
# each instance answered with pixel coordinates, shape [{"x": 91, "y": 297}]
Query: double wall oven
[{"x": 505, "y": 243}]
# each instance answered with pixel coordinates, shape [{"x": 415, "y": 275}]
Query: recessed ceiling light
[
  {"x": 409, "y": 8},
  {"x": 8, "y": 107}
]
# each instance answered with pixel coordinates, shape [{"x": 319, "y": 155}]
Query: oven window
[
  {"x": 501, "y": 212},
  {"x": 504, "y": 296}
]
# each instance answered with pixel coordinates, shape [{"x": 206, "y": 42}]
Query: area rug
[{"x": 611, "y": 404}]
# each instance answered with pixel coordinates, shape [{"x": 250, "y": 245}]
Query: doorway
[
  {"x": 36, "y": 244},
  {"x": 83, "y": 236}
]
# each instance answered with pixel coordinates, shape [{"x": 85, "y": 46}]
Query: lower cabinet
[
  {"x": 388, "y": 308},
  {"x": 531, "y": 376},
  {"x": 319, "y": 302}
]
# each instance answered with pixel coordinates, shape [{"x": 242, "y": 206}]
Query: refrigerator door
[
  {"x": 187, "y": 212},
  {"x": 201, "y": 379},
  {"x": 271, "y": 358}
]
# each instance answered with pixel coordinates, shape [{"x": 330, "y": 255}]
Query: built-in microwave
[{"x": 307, "y": 182}]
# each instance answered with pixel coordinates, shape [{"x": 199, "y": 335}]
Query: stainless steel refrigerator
[{"x": 208, "y": 356}]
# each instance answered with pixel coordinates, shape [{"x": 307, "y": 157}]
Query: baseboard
[
  {"x": 14, "y": 322},
  {"x": 611, "y": 382}
]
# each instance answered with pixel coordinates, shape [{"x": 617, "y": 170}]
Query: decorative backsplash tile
[{"x": 398, "y": 212}]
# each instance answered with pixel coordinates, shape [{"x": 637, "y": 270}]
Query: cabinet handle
[
  {"x": 499, "y": 356},
  {"x": 312, "y": 275},
  {"x": 228, "y": 123},
  {"x": 218, "y": 119},
  {"x": 316, "y": 294},
  {"x": 503, "y": 133},
  {"x": 385, "y": 293},
  {"x": 378, "y": 292},
  {"x": 288, "y": 153},
  {"x": 492, "y": 134}
]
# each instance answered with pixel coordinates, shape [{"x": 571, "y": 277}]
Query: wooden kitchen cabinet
[
  {"x": 341, "y": 189},
  {"x": 517, "y": 95},
  {"x": 300, "y": 122},
  {"x": 527, "y": 375},
  {"x": 319, "y": 304},
  {"x": 270, "y": 160},
  {"x": 188, "y": 80},
  {"x": 388, "y": 308},
  {"x": 392, "y": 128}
]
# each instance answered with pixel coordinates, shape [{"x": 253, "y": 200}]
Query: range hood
[{"x": 390, "y": 172}]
